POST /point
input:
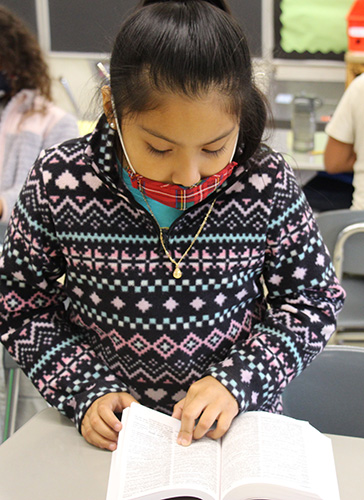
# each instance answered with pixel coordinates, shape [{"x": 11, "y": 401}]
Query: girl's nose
[{"x": 186, "y": 174}]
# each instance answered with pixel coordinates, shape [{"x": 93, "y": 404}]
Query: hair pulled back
[
  {"x": 220, "y": 4},
  {"x": 190, "y": 48}
]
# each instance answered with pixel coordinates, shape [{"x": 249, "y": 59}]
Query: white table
[
  {"x": 306, "y": 165},
  {"x": 47, "y": 459}
]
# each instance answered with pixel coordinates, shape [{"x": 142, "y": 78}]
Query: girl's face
[{"x": 183, "y": 140}]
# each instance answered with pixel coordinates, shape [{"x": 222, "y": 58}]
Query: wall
[
  {"x": 258, "y": 17},
  {"x": 81, "y": 76}
]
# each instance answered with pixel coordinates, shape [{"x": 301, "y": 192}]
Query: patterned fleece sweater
[{"x": 119, "y": 321}]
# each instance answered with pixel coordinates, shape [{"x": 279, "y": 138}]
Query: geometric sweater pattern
[{"x": 89, "y": 305}]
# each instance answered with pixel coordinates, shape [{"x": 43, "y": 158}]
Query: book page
[
  {"x": 198, "y": 464},
  {"x": 149, "y": 463},
  {"x": 114, "y": 484},
  {"x": 277, "y": 450}
]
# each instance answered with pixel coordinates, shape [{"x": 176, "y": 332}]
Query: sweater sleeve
[
  {"x": 34, "y": 327},
  {"x": 303, "y": 299},
  {"x": 27, "y": 147},
  {"x": 66, "y": 128}
]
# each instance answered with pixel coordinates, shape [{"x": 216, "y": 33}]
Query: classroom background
[{"x": 299, "y": 47}]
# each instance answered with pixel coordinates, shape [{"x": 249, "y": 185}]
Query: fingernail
[
  {"x": 112, "y": 446},
  {"x": 183, "y": 441}
]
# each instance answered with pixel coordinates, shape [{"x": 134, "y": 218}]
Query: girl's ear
[{"x": 107, "y": 105}]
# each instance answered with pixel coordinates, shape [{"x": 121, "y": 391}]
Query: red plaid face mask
[
  {"x": 173, "y": 195},
  {"x": 177, "y": 196}
]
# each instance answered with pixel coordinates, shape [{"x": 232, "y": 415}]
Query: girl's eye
[
  {"x": 161, "y": 152},
  {"x": 157, "y": 152},
  {"x": 217, "y": 152}
]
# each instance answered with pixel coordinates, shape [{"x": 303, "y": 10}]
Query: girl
[
  {"x": 165, "y": 223},
  {"x": 29, "y": 121}
]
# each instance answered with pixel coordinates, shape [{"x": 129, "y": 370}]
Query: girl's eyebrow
[{"x": 160, "y": 136}]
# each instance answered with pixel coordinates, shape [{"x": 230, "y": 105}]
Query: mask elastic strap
[
  {"x": 107, "y": 76},
  {"x": 120, "y": 135},
  {"x": 235, "y": 146}
]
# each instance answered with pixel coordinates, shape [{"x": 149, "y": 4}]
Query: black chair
[
  {"x": 330, "y": 392},
  {"x": 343, "y": 234}
]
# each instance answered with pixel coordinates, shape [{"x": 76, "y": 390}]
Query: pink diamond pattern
[
  {"x": 138, "y": 344},
  {"x": 170, "y": 304},
  {"x": 117, "y": 339},
  {"x": 198, "y": 303},
  {"x": 165, "y": 346},
  {"x": 214, "y": 339},
  {"x": 95, "y": 298},
  {"x": 220, "y": 299},
  {"x": 191, "y": 344},
  {"x": 118, "y": 303},
  {"x": 234, "y": 331},
  {"x": 143, "y": 305}
]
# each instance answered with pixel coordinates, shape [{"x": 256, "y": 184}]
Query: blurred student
[
  {"x": 345, "y": 146},
  {"x": 342, "y": 185},
  {"x": 29, "y": 121}
]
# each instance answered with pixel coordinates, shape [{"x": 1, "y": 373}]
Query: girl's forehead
[
  {"x": 212, "y": 103},
  {"x": 186, "y": 120}
]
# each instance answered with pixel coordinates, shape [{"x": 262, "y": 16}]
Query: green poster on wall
[{"x": 314, "y": 25}]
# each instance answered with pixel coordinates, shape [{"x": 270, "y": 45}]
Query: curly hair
[{"x": 21, "y": 57}]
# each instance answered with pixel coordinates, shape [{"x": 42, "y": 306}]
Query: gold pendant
[{"x": 177, "y": 273}]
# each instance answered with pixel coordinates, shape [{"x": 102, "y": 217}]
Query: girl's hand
[
  {"x": 208, "y": 400},
  {"x": 100, "y": 426}
]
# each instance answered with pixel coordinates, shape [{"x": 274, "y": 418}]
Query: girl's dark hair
[
  {"x": 187, "y": 47},
  {"x": 21, "y": 57},
  {"x": 220, "y": 4}
]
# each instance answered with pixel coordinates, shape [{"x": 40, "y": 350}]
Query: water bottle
[{"x": 304, "y": 122}]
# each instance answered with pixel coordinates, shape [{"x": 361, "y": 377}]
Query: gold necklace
[{"x": 177, "y": 273}]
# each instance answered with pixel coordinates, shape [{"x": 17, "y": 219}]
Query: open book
[{"x": 262, "y": 456}]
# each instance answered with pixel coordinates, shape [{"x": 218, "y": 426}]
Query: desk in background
[
  {"x": 305, "y": 165},
  {"x": 47, "y": 459}
]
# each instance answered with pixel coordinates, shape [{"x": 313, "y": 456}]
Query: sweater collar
[{"x": 100, "y": 151}]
